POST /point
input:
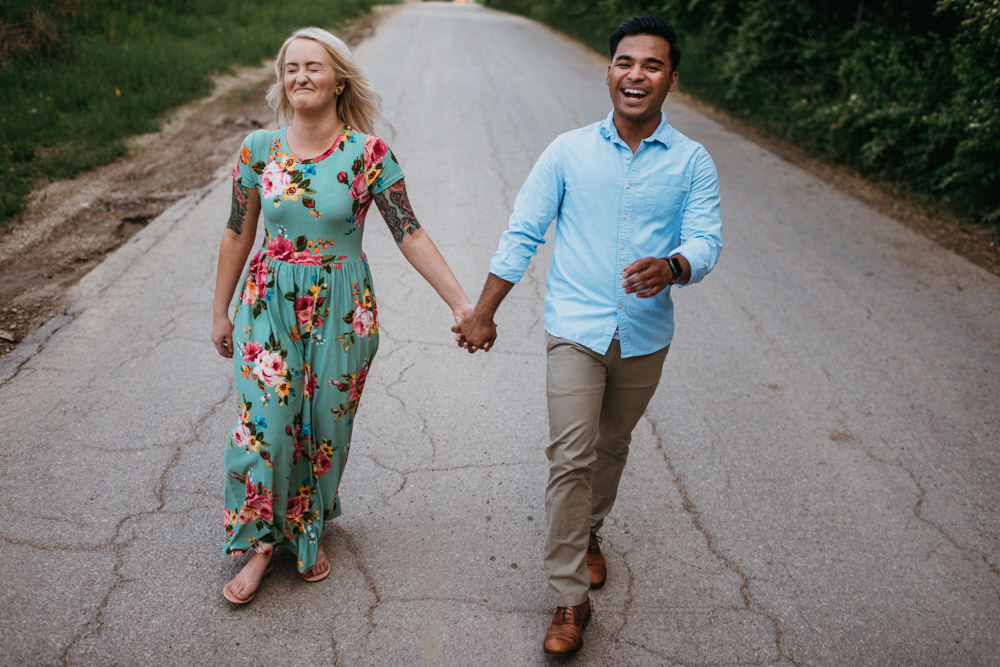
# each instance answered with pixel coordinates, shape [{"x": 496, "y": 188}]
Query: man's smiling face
[{"x": 639, "y": 77}]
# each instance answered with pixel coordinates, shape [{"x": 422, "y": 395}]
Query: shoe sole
[{"x": 318, "y": 577}]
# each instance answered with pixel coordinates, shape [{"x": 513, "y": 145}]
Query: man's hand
[
  {"x": 475, "y": 332},
  {"x": 648, "y": 276}
]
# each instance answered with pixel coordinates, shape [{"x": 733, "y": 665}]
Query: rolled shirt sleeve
[
  {"x": 701, "y": 220},
  {"x": 535, "y": 207}
]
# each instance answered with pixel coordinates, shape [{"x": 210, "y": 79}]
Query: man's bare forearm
[{"x": 494, "y": 291}]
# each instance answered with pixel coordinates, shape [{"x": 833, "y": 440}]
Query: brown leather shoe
[
  {"x": 565, "y": 634},
  {"x": 597, "y": 568}
]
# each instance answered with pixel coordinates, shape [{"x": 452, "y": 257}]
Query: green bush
[
  {"x": 80, "y": 76},
  {"x": 904, "y": 91}
]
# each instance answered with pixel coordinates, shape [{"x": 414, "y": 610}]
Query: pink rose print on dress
[
  {"x": 252, "y": 351},
  {"x": 358, "y": 385},
  {"x": 363, "y": 320},
  {"x": 257, "y": 274},
  {"x": 241, "y": 436},
  {"x": 375, "y": 150},
  {"x": 280, "y": 248},
  {"x": 273, "y": 180},
  {"x": 342, "y": 177},
  {"x": 270, "y": 368},
  {"x": 249, "y": 296},
  {"x": 359, "y": 188},
  {"x": 310, "y": 385},
  {"x": 256, "y": 505},
  {"x": 307, "y": 258},
  {"x": 296, "y": 508},
  {"x": 321, "y": 463},
  {"x": 305, "y": 306}
]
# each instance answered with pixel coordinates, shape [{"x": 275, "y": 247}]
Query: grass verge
[{"x": 79, "y": 77}]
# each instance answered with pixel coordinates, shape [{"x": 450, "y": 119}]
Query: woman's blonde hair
[{"x": 358, "y": 105}]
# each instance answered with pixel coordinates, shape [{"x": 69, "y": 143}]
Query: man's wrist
[{"x": 675, "y": 269}]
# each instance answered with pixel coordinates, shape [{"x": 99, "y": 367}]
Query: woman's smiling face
[{"x": 310, "y": 79}]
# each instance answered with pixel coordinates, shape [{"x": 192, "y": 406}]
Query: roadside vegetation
[
  {"x": 81, "y": 76},
  {"x": 906, "y": 92}
]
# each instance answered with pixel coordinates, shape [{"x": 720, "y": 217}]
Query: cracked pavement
[{"x": 815, "y": 481}]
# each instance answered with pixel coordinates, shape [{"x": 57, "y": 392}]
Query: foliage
[
  {"x": 80, "y": 76},
  {"x": 905, "y": 91}
]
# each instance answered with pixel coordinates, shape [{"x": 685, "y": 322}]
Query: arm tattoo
[
  {"x": 396, "y": 210},
  {"x": 239, "y": 210}
]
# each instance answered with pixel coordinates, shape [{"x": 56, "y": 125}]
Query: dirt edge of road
[{"x": 70, "y": 226}]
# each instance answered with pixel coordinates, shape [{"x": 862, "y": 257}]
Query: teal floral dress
[{"x": 305, "y": 333}]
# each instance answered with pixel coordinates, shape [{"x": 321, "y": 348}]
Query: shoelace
[
  {"x": 567, "y": 615},
  {"x": 595, "y": 544}
]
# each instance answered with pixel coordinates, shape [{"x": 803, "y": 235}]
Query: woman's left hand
[{"x": 461, "y": 313}]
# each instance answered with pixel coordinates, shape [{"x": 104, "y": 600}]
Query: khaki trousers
[{"x": 595, "y": 401}]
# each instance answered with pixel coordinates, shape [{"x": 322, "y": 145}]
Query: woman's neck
[{"x": 309, "y": 136}]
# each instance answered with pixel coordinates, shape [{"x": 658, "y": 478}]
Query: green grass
[{"x": 92, "y": 73}]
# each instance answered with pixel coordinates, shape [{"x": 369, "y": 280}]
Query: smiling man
[{"x": 637, "y": 210}]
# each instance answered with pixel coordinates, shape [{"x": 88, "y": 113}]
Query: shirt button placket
[{"x": 624, "y": 235}]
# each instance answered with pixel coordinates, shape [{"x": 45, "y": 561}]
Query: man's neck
[{"x": 632, "y": 133}]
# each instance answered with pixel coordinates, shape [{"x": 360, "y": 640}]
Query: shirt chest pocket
[{"x": 662, "y": 196}]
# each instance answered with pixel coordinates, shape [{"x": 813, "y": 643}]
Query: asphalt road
[{"x": 816, "y": 481}]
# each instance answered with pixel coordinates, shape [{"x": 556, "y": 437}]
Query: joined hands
[{"x": 474, "y": 331}]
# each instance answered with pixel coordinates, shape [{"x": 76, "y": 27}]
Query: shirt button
[
  {"x": 619, "y": 306},
  {"x": 628, "y": 186},
  {"x": 625, "y": 217},
  {"x": 623, "y": 246}
]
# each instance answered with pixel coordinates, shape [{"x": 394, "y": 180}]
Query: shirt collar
[{"x": 664, "y": 133}]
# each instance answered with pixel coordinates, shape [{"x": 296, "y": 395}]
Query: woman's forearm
[{"x": 423, "y": 255}]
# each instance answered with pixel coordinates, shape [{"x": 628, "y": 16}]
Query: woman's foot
[
  {"x": 243, "y": 587},
  {"x": 320, "y": 570}
]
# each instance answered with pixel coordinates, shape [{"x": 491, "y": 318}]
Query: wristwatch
[{"x": 675, "y": 268}]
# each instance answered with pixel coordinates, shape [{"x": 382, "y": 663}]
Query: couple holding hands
[{"x": 637, "y": 210}]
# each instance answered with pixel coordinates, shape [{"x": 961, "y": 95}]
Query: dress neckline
[{"x": 345, "y": 132}]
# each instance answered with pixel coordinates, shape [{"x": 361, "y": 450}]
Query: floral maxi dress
[{"x": 305, "y": 332}]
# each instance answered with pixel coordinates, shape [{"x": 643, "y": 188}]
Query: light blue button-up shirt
[{"x": 612, "y": 208}]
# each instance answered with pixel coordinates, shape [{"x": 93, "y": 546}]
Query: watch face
[{"x": 675, "y": 266}]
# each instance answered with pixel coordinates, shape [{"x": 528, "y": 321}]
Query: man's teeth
[{"x": 632, "y": 92}]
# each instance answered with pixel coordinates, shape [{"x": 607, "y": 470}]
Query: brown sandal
[
  {"x": 231, "y": 596},
  {"x": 317, "y": 577}
]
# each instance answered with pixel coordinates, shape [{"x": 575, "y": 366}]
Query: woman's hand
[
  {"x": 222, "y": 335},
  {"x": 463, "y": 311}
]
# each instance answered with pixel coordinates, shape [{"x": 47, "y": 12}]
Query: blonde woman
[{"x": 306, "y": 323}]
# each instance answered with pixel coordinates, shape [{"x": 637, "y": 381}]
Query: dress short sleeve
[
  {"x": 244, "y": 173},
  {"x": 380, "y": 164}
]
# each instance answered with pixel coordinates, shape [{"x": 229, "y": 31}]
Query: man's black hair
[{"x": 647, "y": 25}]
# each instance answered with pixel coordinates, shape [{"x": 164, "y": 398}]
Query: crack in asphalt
[
  {"x": 363, "y": 568},
  {"x": 57, "y": 323},
  {"x": 117, "y": 546},
  {"x": 629, "y": 594},
  {"x": 845, "y": 437},
  {"x": 749, "y": 600},
  {"x": 390, "y": 469}
]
